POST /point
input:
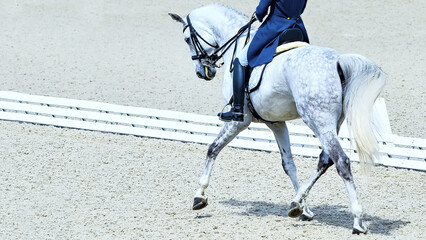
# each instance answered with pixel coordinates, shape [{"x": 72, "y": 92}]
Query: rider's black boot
[{"x": 237, "y": 111}]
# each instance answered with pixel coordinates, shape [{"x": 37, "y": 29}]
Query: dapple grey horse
[{"x": 314, "y": 83}]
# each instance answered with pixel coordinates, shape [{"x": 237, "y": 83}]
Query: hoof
[
  {"x": 199, "y": 203},
  {"x": 295, "y": 210},
  {"x": 358, "y": 231},
  {"x": 359, "y": 227},
  {"x": 304, "y": 217}
]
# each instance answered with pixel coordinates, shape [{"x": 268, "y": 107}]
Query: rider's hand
[
  {"x": 262, "y": 9},
  {"x": 256, "y": 17}
]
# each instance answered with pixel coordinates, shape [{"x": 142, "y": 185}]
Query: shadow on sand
[{"x": 335, "y": 215}]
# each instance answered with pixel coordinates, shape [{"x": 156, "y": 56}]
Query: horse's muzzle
[{"x": 209, "y": 73}]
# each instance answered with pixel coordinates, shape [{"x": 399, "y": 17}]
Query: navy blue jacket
[{"x": 283, "y": 14}]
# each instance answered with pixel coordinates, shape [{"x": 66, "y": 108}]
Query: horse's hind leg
[
  {"x": 296, "y": 206},
  {"x": 282, "y": 136},
  {"x": 324, "y": 163},
  {"x": 337, "y": 155},
  {"x": 229, "y": 131},
  {"x": 343, "y": 166}
]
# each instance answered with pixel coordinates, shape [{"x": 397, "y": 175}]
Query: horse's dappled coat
[{"x": 305, "y": 83}]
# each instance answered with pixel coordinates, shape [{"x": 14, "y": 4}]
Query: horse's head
[{"x": 202, "y": 45}]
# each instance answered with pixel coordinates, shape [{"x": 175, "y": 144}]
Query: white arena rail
[{"x": 395, "y": 151}]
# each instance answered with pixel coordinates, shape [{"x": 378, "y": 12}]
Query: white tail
[{"x": 364, "y": 81}]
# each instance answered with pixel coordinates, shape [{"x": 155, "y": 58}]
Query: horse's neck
[
  {"x": 225, "y": 32},
  {"x": 221, "y": 39},
  {"x": 224, "y": 23},
  {"x": 229, "y": 56}
]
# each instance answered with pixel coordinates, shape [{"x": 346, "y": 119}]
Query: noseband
[{"x": 212, "y": 59}]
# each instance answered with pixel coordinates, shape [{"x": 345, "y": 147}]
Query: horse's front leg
[
  {"x": 282, "y": 136},
  {"x": 229, "y": 131}
]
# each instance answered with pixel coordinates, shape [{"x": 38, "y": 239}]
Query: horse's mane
[
  {"x": 226, "y": 9},
  {"x": 232, "y": 10},
  {"x": 233, "y": 17}
]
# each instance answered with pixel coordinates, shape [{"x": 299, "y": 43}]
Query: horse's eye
[{"x": 187, "y": 40}]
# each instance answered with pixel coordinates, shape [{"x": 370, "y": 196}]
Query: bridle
[
  {"x": 199, "y": 50},
  {"x": 212, "y": 59}
]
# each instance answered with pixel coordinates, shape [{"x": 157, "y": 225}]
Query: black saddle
[{"x": 290, "y": 35}]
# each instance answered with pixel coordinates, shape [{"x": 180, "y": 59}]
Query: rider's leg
[
  {"x": 238, "y": 76},
  {"x": 237, "y": 111}
]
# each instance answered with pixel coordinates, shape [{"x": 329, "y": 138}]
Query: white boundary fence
[{"x": 395, "y": 151}]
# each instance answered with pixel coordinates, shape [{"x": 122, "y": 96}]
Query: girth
[{"x": 249, "y": 91}]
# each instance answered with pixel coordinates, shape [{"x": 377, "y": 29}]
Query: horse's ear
[{"x": 177, "y": 18}]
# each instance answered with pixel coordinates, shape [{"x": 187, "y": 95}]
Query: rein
[{"x": 212, "y": 59}]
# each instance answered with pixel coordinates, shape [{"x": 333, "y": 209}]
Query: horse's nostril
[{"x": 199, "y": 75}]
